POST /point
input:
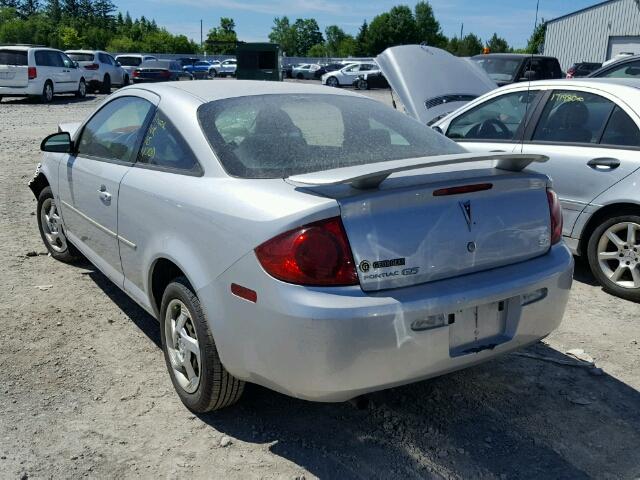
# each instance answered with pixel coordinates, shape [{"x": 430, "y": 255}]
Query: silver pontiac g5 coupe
[{"x": 303, "y": 238}]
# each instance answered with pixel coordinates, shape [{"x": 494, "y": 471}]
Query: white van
[{"x": 38, "y": 72}]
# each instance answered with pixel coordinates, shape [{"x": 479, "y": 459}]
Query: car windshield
[
  {"x": 276, "y": 136},
  {"x": 81, "y": 57},
  {"x": 13, "y": 57},
  {"x": 499, "y": 69},
  {"x": 129, "y": 61}
]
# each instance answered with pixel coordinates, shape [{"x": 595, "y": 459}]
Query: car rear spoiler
[{"x": 373, "y": 174}]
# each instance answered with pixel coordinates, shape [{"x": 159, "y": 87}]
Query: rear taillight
[
  {"x": 165, "y": 73},
  {"x": 92, "y": 66},
  {"x": 556, "y": 216},
  {"x": 136, "y": 73},
  {"x": 314, "y": 254},
  {"x": 32, "y": 72}
]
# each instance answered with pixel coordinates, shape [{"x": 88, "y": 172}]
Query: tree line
[
  {"x": 90, "y": 24},
  {"x": 399, "y": 26}
]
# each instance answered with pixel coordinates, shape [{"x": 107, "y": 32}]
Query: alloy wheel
[
  {"x": 52, "y": 226},
  {"x": 182, "y": 346},
  {"x": 48, "y": 92},
  {"x": 332, "y": 81},
  {"x": 619, "y": 254}
]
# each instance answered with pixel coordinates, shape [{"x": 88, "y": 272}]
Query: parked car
[
  {"x": 159, "y": 71},
  {"x": 331, "y": 67},
  {"x": 271, "y": 229},
  {"x": 287, "y": 70},
  {"x": 39, "y": 73},
  {"x": 131, "y": 61},
  {"x": 187, "y": 61},
  {"x": 347, "y": 75},
  {"x": 228, "y": 68},
  {"x": 582, "y": 69},
  {"x": 619, "y": 56},
  {"x": 590, "y": 130},
  {"x": 506, "y": 68},
  {"x": 305, "y": 71},
  {"x": 203, "y": 69},
  {"x": 626, "y": 67},
  {"x": 367, "y": 81},
  {"x": 102, "y": 70}
]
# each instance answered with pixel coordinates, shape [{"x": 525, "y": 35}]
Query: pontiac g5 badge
[{"x": 466, "y": 211}]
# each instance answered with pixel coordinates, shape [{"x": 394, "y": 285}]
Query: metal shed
[{"x": 595, "y": 34}]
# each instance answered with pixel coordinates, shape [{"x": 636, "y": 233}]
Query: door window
[
  {"x": 573, "y": 117},
  {"x": 498, "y": 119},
  {"x": 164, "y": 147},
  {"x": 621, "y": 130},
  {"x": 66, "y": 61},
  {"x": 628, "y": 70},
  {"x": 48, "y": 58},
  {"x": 114, "y": 132}
]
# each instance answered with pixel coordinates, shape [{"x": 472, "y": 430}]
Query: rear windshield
[
  {"x": 13, "y": 57},
  {"x": 276, "y": 136},
  {"x": 499, "y": 69},
  {"x": 81, "y": 57},
  {"x": 129, "y": 61}
]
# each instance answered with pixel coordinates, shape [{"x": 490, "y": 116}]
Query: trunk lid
[
  {"x": 410, "y": 229},
  {"x": 431, "y": 82},
  {"x": 14, "y": 70}
]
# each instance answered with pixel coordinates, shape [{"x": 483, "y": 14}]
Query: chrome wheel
[
  {"x": 182, "y": 346},
  {"x": 52, "y": 226},
  {"x": 48, "y": 92},
  {"x": 619, "y": 254},
  {"x": 82, "y": 89}
]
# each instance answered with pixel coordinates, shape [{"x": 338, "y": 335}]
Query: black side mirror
[{"x": 57, "y": 143}]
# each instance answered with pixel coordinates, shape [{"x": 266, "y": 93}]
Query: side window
[
  {"x": 497, "y": 119},
  {"x": 111, "y": 60},
  {"x": 628, "y": 70},
  {"x": 573, "y": 117},
  {"x": 113, "y": 133},
  {"x": 66, "y": 61},
  {"x": 621, "y": 130},
  {"x": 103, "y": 58},
  {"x": 164, "y": 146},
  {"x": 42, "y": 59}
]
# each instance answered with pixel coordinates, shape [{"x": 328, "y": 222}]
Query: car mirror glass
[{"x": 57, "y": 143}]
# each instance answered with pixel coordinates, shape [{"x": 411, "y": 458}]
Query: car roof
[
  {"x": 84, "y": 51},
  {"x": 238, "y": 88},
  {"x": 26, "y": 47},
  {"x": 514, "y": 56},
  {"x": 617, "y": 86}
]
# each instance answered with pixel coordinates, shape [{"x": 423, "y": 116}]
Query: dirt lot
[{"x": 84, "y": 391}]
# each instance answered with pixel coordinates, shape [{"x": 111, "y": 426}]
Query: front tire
[
  {"x": 333, "y": 82},
  {"x": 362, "y": 84},
  {"x": 614, "y": 256},
  {"x": 197, "y": 374},
  {"x": 51, "y": 228},
  {"x": 82, "y": 89},
  {"x": 213, "y": 73},
  {"x": 106, "y": 85}
]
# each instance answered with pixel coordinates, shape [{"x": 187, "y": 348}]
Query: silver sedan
[{"x": 303, "y": 238}]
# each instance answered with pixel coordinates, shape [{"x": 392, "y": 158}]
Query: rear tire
[
  {"x": 125, "y": 81},
  {"x": 300, "y": 76},
  {"x": 47, "y": 92},
  {"x": 623, "y": 254},
  {"x": 362, "y": 84},
  {"x": 333, "y": 82},
  {"x": 213, "y": 73},
  {"x": 106, "y": 85},
  {"x": 201, "y": 381},
  {"x": 52, "y": 230}
]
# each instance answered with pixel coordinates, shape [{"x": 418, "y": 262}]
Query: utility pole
[
  {"x": 461, "y": 30},
  {"x": 201, "y": 36}
]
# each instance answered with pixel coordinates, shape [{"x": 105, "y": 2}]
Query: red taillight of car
[
  {"x": 136, "y": 73},
  {"x": 556, "y": 216},
  {"x": 92, "y": 66},
  {"x": 165, "y": 73},
  {"x": 314, "y": 254},
  {"x": 32, "y": 72}
]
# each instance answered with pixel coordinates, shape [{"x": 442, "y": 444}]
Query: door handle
[
  {"x": 604, "y": 163},
  {"x": 105, "y": 196}
]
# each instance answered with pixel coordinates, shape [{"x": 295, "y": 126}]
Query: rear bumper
[
  {"x": 32, "y": 88},
  {"x": 334, "y": 344}
]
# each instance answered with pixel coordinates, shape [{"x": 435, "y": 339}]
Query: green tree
[
  {"x": 307, "y": 34},
  {"x": 362, "y": 41},
  {"x": 428, "y": 27},
  {"x": 497, "y": 44},
  {"x": 396, "y": 27},
  {"x": 469, "y": 45},
  {"x": 334, "y": 36},
  {"x": 536, "y": 40},
  {"x": 283, "y": 34},
  {"x": 222, "y": 40},
  {"x": 318, "y": 50},
  {"x": 29, "y": 8},
  {"x": 69, "y": 37}
]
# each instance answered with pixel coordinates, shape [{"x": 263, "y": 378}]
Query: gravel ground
[{"x": 84, "y": 391}]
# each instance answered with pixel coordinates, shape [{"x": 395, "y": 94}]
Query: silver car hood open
[{"x": 431, "y": 82}]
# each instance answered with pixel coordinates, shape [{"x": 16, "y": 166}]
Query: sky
[{"x": 511, "y": 19}]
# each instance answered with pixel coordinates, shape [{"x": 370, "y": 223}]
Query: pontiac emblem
[{"x": 466, "y": 211}]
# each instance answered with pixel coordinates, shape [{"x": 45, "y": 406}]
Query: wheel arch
[
  {"x": 164, "y": 269},
  {"x": 39, "y": 183},
  {"x": 602, "y": 214}
]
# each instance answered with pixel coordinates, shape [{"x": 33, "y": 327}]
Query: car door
[
  {"x": 70, "y": 74},
  {"x": 105, "y": 149},
  {"x": 50, "y": 67},
  {"x": 495, "y": 125},
  {"x": 592, "y": 142}
]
